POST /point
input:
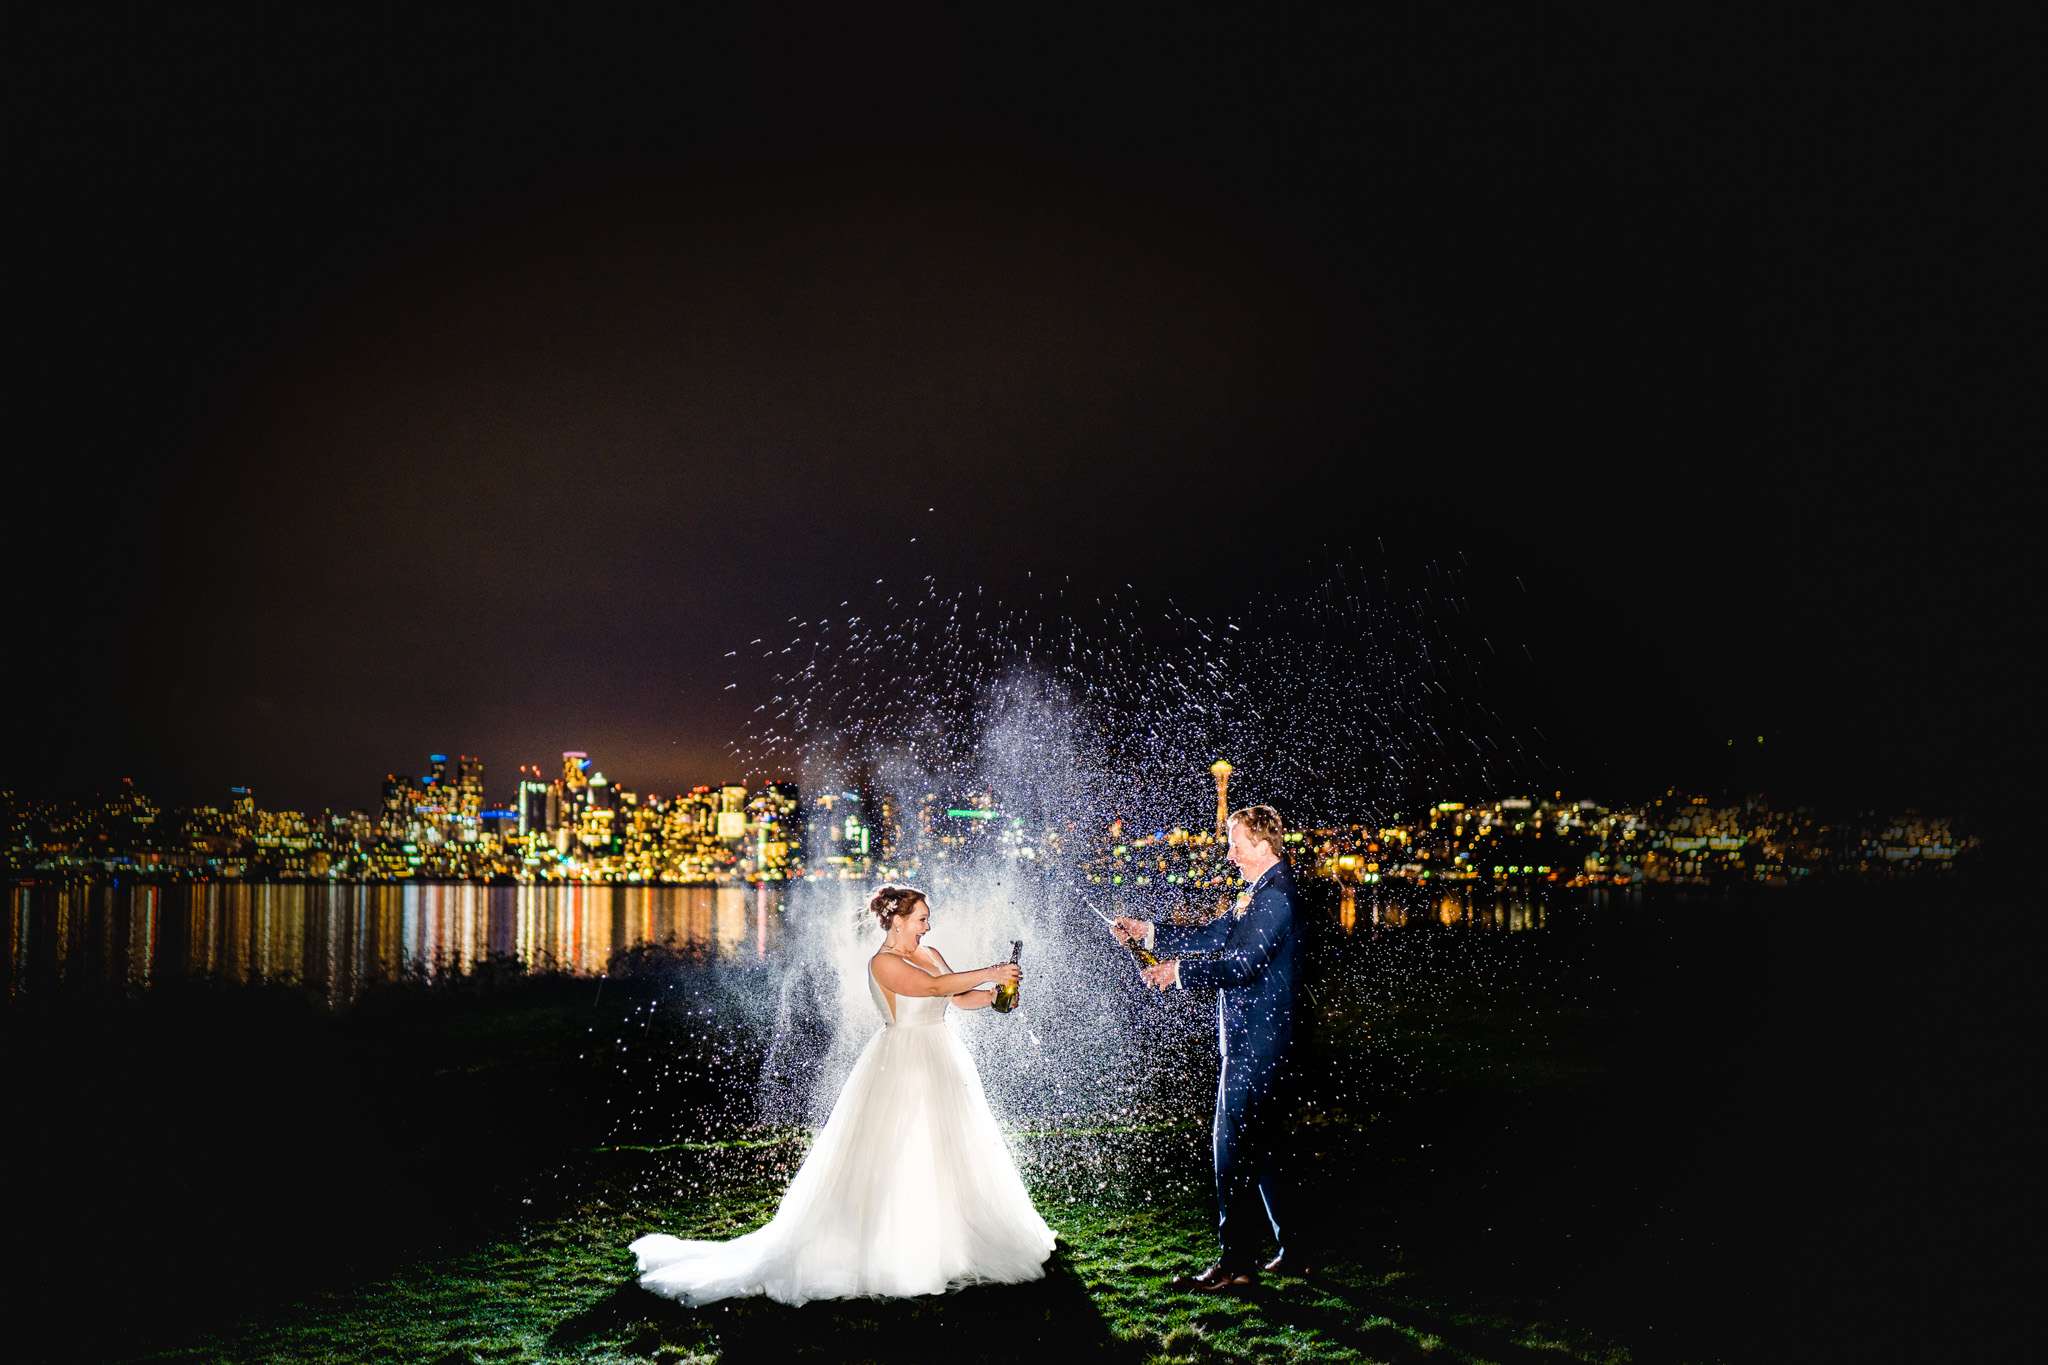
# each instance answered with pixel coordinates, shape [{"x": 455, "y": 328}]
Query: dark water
[{"x": 342, "y": 939}]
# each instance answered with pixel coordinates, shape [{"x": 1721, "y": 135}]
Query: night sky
[{"x": 464, "y": 378}]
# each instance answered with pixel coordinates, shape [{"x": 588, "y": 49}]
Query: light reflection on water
[
  {"x": 341, "y": 939},
  {"x": 1514, "y": 910}
]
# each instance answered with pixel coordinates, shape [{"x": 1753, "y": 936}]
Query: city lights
[{"x": 579, "y": 826}]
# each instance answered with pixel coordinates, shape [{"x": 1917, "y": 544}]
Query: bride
[{"x": 909, "y": 1188}]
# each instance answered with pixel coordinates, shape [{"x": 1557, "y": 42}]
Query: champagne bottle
[
  {"x": 1146, "y": 957},
  {"x": 1006, "y": 995}
]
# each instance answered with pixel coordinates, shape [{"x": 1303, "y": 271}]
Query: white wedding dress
[{"x": 908, "y": 1188}]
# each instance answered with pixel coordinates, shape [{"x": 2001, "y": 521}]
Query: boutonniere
[{"x": 1241, "y": 904}]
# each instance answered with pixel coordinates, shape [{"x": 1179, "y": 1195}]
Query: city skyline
[{"x": 571, "y": 823}]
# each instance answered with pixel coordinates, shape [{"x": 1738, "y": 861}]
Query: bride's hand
[{"x": 1003, "y": 974}]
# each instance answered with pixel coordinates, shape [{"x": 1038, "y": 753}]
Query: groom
[{"x": 1252, "y": 972}]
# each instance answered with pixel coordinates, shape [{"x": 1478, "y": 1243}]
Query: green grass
[{"x": 562, "y": 1289}]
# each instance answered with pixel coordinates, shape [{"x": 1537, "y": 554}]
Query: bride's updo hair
[{"x": 893, "y": 901}]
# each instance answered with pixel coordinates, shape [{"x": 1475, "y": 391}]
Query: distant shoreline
[{"x": 1944, "y": 872}]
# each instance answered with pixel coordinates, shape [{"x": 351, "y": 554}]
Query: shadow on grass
[
  {"x": 1052, "y": 1315},
  {"x": 1388, "y": 1328}
]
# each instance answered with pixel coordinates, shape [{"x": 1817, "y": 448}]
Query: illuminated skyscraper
[
  {"x": 469, "y": 786},
  {"x": 888, "y": 829},
  {"x": 732, "y": 814},
  {"x": 855, "y": 844},
  {"x": 403, "y": 797},
  {"x": 573, "y": 789},
  {"x": 774, "y": 839},
  {"x": 434, "y": 801},
  {"x": 839, "y": 834},
  {"x": 536, "y": 802},
  {"x": 1221, "y": 771},
  {"x": 594, "y": 829},
  {"x": 699, "y": 811},
  {"x": 241, "y": 810}
]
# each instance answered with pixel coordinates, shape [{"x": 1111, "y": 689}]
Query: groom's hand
[
  {"x": 1163, "y": 976},
  {"x": 1128, "y": 930}
]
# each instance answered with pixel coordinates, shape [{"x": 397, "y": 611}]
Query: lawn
[{"x": 561, "y": 1289}]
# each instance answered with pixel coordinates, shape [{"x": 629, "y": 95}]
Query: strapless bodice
[{"x": 911, "y": 1010}]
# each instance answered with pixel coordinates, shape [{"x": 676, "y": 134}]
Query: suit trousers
[{"x": 1252, "y": 1104}]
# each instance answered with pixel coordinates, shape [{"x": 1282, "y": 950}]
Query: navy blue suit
[{"x": 1252, "y": 971}]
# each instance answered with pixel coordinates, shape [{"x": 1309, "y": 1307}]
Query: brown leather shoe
[
  {"x": 1287, "y": 1263},
  {"x": 1225, "y": 1281},
  {"x": 1199, "y": 1280}
]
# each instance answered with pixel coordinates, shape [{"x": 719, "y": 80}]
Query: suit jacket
[{"x": 1252, "y": 970}]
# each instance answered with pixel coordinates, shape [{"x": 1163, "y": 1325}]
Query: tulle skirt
[{"x": 908, "y": 1189}]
